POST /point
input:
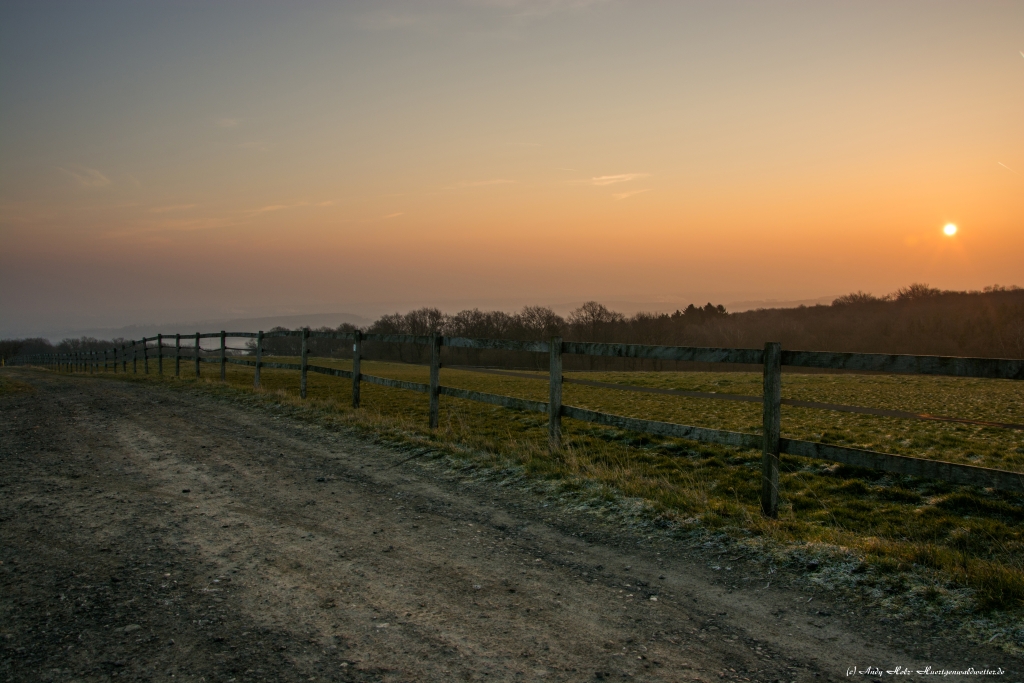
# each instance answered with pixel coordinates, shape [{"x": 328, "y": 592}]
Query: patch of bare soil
[{"x": 150, "y": 534}]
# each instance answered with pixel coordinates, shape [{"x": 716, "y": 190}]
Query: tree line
[{"x": 917, "y": 319}]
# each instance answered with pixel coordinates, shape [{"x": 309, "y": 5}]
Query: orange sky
[{"x": 177, "y": 162}]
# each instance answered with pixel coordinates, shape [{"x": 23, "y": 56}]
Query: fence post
[
  {"x": 160, "y": 355},
  {"x": 135, "y": 358},
  {"x": 145, "y": 356},
  {"x": 357, "y": 353},
  {"x": 177, "y": 355},
  {"x": 259, "y": 360},
  {"x": 305, "y": 351},
  {"x": 555, "y": 395},
  {"x": 124, "y": 359},
  {"x": 92, "y": 362},
  {"x": 223, "y": 356},
  {"x": 435, "y": 379},
  {"x": 771, "y": 412},
  {"x": 197, "y": 355}
]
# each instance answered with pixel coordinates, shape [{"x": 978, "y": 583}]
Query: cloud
[
  {"x": 626, "y": 195},
  {"x": 173, "y": 207},
  {"x": 1007, "y": 167},
  {"x": 294, "y": 205},
  {"x": 394, "y": 215},
  {"x": 86, "y": 177},
  {"x": 620, "y": 178},
  {"x": 479, "y": 183},
  {"x": 228, "y": 123},
  {"x": 534, "y": 8}
]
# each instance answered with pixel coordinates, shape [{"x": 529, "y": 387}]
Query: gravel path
[{"x": 150, "y": 534}]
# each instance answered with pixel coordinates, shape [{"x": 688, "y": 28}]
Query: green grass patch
[{"x": 13, "y": 386}]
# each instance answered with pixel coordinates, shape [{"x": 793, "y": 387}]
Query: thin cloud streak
[
  {"x": 1007, "y": 167},
  {"x": 175, "y": 207},
  {"x": 620, "y": 178},
  {"x": 479, "y": 183},
  {"x": 86, "y": 177}
]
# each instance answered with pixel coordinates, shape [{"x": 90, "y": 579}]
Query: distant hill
[{"x": 311, "y": 320}]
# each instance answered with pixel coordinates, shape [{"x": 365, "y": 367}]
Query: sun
[{"x": 950, "y": 229}]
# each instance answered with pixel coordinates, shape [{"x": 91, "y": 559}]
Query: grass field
[{"x": 968, "y": 541}]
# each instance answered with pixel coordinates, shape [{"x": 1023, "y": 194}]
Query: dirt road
[{"x": 152, "y": 534}]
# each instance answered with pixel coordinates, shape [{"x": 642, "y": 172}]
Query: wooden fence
[{"x": 771, "y": 358}]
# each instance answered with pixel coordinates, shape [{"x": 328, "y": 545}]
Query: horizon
[{"x": 173, "y": 162}]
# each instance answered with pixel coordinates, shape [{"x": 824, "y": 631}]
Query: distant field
[
  {"x": 976, "y": 399},
  {"x": 973, "y": 537}
]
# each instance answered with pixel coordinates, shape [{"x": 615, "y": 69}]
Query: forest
[{"x": 917, "y": 319}]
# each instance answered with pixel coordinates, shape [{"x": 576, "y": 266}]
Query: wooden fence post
[
  {"x": 357, "y": 352},
  {"x": 145, "y": 356},
  {"x": 223, "y": 356},
  {"x": 177, "y": 355},
  {"x": 555, "y": 395},
  {"x": 198, "y": 349},
  {"x": 92, "y": 362},
  {"x": 124, "y": 359},
  {"x": 435, "y": 379},
  {"x": 305, "y": 352},
  {"x": 771, "y": 412},
  {"x": 135, "y": 358},
  {"x": 259, "y": 360},
  {"x": 160, "y": 355}
]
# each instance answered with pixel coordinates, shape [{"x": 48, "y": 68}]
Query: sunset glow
[
  {"x": 950, "y": 229},
  {"x": 168, "y": 161}
]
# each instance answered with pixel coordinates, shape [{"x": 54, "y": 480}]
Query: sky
[{"x": 165, "y": 161}]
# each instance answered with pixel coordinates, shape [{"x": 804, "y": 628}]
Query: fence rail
[{"x": 771, "y": 358}]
